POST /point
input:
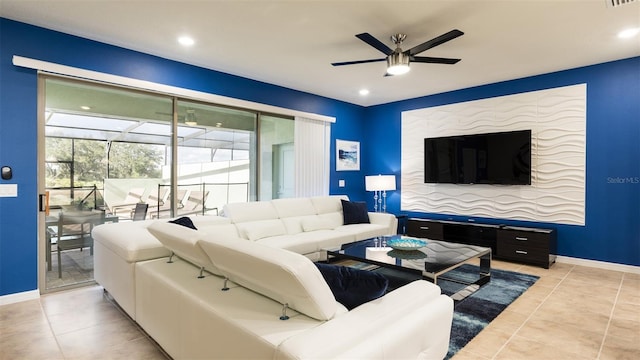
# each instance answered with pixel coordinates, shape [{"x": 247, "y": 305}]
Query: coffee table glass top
[{"x": 435, "y": 257}]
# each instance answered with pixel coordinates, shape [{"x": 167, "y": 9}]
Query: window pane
[
  {"x": 276, "y": 157},
  {"x": 135, "y": 161},
  {"x": 214, "y": 154}
]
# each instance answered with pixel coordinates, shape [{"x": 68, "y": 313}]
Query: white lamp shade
[{"x": 380, "y": 182}]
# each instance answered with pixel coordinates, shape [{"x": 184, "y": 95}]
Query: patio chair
[
  {"x": 134, "y": 196},
  {"x": 162, "y": 210},
  {"x": 74, "y": 231},
  {"x": 158, "y": 198},
  {"x": 194, "y": 203},
  {"x": 140, "y": 212}
]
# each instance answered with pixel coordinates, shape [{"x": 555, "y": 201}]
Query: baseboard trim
[
  {"x": 18, "y": 297},
  {"x": 598, "y": 264}
]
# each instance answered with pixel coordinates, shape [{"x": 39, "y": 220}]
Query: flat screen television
[{"x": 494, "y": 158}]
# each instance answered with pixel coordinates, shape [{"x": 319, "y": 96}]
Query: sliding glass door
[{"x": 104, "y": 151}]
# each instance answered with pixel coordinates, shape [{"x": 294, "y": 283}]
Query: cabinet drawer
[
  {"x": 425, "y": 229},
  {"x": 523, "y": 253},
  {"x": 523, "y": 239}
]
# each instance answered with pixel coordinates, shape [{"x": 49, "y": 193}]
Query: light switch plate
[{"x": 8, "y": 190}]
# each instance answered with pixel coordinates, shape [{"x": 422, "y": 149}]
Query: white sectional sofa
[
  {"x": 304, "y": 225},
  {"x": 233, "y": 278}
]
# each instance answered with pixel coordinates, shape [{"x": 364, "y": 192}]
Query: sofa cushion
[
  {"x": 256, "y": 230},
  {"x": 184, "y": 221},
  {"x": 313, "y": 223},
  {"x": 250, "y": 211},
  {"x": 299, "y": 224},
  {"x": 209, "y": 220},
  {"x": 131, "y": 240},
  {"x": 353, "y": 287},
  {"x": 309, "y": 242},
  {"x": 355, "y": 212},
  {"x": 183, "y": 242},
  {"x": 362, "y": 231},
  {"x": 298, "y": 243},
  {"x": 293, "y": 207},
  {"x": 281, "y": 275},
  {"x": 293, "y": 224},
  {"x": 328, "y": 204},
  {"x": 334, "y": 218},
  {"x": 228, "y": 230}
]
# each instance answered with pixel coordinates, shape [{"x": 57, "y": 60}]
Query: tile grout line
[
  {"x": 531, "y": 314},
  {"x": 613, "y": 309},
  {"x": 55, "y": 337}
]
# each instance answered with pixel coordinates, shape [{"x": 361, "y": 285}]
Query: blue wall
[
  {"x": 612, "y": 231},
  {"x": 18, "y": 123}
]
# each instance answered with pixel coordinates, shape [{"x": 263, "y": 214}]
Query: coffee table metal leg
[
  {"x": 485, "y": 269},
  {"x": 483, "y": 278}
]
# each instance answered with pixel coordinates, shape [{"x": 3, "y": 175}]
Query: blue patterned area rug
[{"x": 475, "y": 312}]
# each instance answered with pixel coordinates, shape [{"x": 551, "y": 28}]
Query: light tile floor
[{"x": 572, "y": 312}]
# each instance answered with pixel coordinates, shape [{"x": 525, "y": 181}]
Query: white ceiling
[{"x": 292, "y": 43}]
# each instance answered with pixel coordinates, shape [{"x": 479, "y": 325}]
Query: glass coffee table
[{"x": 430, "y": 259}]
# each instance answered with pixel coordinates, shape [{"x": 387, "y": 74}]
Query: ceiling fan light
[
  {"x": 398, "y": 69},
  {"x": 397, "y": 64}
]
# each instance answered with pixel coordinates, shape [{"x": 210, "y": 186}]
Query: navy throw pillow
[
  {"x": 354, "y": 212},
  {"x": 353, "y": 287},
  {"x": 184, "y": 221}
]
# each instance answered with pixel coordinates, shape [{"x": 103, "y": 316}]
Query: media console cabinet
[{"x": 535, "y": 246}]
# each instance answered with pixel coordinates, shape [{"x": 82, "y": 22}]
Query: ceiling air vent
[{"x": 616, "y": 3}]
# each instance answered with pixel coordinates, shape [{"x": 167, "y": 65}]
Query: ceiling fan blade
[
  {"x": 434, "y": 42},
  {"x": 433, "y": 60},
  {"x": 369, "y": 39},
  {"x": 357, "y": 62}
]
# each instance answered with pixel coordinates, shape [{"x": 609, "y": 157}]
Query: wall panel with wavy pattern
[{"x": 557, "y": 119}]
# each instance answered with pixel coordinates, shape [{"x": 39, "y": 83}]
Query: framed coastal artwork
[{"x": 347, "y": 155}]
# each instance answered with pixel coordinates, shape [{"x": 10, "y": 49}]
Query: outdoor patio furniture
[
  {"x": 74, "y": 231},
  {"x": 140, "y": 212},
  {"x": 134, "y": 196},
  {"x": 194, "y": 203}
]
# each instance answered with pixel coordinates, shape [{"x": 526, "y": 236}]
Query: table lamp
[{"x": 380, "y": 184}]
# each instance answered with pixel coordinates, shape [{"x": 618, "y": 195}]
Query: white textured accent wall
[{"x": 557, "y": 119}]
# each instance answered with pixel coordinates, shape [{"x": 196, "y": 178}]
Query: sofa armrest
[
  {"x": 411, "y": 322},
  {"x": 385, "y": 219}
]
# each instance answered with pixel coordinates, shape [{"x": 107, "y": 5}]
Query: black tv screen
[{"x": 494, "y": 158}]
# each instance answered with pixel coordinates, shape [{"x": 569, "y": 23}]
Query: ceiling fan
[{"x": 398, "y": 60}]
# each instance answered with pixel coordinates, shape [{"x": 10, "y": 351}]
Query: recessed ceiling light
[
  {"x": 364, "y": 92},
  {"x": 186, "y": 40},
  {"x": 85, "y": 107},
  {"x": 628, "y": 33}
]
